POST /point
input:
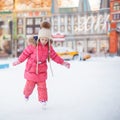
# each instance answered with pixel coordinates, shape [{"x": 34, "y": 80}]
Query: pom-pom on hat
[
  {"x": 45, "y": 30},
  {"x": 45, "y": 24}
]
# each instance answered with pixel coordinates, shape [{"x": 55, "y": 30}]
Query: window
[
  {"x": 62, "y": 28},
  {"x": 116, "y": 17},
  {"x": 20, "y": 21},
  {"x": 75, "y": 19},
  {"x": 104, "y": 46},
  {"x": 69, "y": 20},
  {"x": 37, "y": 21},
  {"x": 37, "y": 29},
  {"x": 29, "y": 30},
  {"x": 62, "y": 19},
  {"x": 55, "y": 28},
  {"x": 92, "y": 45},
  {"x": 69, "y": 28},
  {"x": 20, "y": 30},
  {"x": 33, "y": 25},
  {"x": 116, "y": 6},
  {"x": 55, "y": 20},
  {"x": 20, "y": 25},
  {"x": 29, "y": 21}
]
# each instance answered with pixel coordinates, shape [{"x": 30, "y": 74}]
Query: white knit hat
[{"x": 43, "y": 32}]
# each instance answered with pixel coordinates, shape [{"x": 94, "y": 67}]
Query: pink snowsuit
[{"x": 30, "y": 53}]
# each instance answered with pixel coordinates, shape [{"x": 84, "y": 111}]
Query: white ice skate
[
  {"x": 26, "y": 99},
  {"x": 43, "y": 105}
]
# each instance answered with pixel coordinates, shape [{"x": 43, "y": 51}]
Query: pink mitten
[
  {"x": 16, "y": 63},
  {"x": 66, "y": 64}
]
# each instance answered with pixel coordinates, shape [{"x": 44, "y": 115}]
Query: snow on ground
[{"x": 89, "y": 90}]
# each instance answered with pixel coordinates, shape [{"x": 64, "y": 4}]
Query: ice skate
[
  {"x": 26, "y": 99},
  {"x": 43, "y": 105}
]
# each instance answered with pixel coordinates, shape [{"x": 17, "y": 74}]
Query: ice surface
[{"x": 89, "y": 90}]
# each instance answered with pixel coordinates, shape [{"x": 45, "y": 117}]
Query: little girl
[{"x": 36, "y": 66}]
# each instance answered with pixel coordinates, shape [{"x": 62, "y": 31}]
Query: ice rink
[{"x": 89, "y": 90}]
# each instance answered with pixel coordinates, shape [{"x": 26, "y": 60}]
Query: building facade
[
  {"x": 71, "y": 25},
  {"x": 104, "y": 4},
  {"x": 88, "y": 28},
  {"x": 115, "y": 27}
]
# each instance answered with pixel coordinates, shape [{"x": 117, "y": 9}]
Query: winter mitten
[
  {"x": 16, "y": 63},
  {"x": 66, "y": 64}
]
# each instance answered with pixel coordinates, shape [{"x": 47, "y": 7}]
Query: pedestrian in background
[{"x": 80, "y": 50}]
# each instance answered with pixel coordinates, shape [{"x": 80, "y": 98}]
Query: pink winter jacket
[{"x": 30, "y": 53}]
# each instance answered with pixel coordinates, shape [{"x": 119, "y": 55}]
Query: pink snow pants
[{"x": 41, "y": 87}]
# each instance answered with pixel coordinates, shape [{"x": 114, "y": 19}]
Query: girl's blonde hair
[{"x": 31, "y": 41}]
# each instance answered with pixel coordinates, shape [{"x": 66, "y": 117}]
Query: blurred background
[{"x": 93, "y": 24}]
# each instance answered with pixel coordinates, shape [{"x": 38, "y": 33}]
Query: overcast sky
[
  {"x": 94, "y": 4},
  {"x": 74, "y": 3}
]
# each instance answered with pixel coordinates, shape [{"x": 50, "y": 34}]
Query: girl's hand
[
  {"x": 66, "y": 64},
  {"x": 16, "y": 63}
]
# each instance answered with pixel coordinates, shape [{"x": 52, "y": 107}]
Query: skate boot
[
  {"x": 43, "y": 103},
  {"x": 26, "y": 99}
]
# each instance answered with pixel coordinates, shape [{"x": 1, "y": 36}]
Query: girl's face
[{"x": 44, "y": 40}]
